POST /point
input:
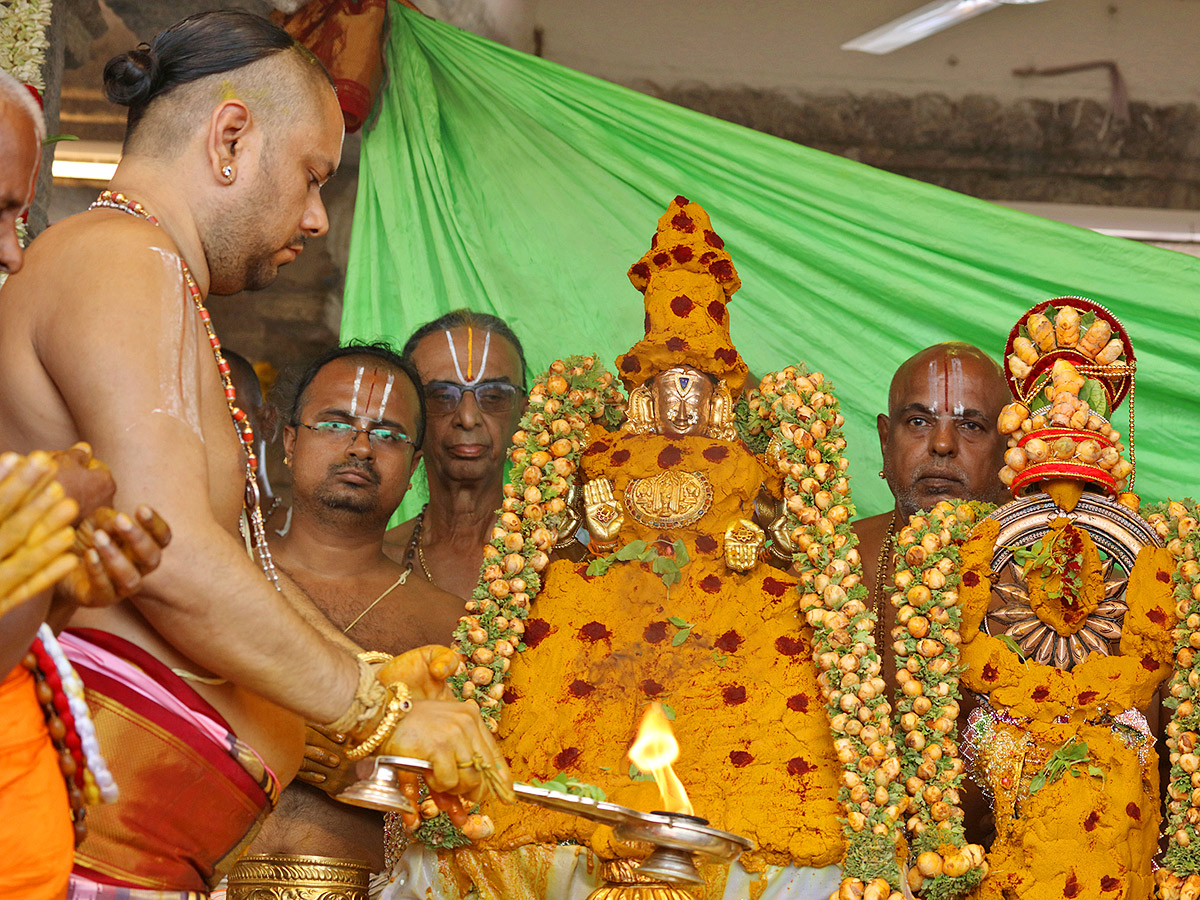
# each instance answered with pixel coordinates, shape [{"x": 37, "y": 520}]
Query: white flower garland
[{"x": 23, "y": 40}]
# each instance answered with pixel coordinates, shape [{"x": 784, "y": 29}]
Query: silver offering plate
[{"x": 676, "y": 837}]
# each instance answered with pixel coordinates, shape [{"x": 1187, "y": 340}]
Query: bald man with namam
[
  {"x": 939, "y": 442},
  {"x": 205, "y": 677}
]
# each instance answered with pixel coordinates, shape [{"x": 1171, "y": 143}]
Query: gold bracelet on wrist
[
  {"x": 375, "y": 657},
  {"x": 398, "y": 704}
]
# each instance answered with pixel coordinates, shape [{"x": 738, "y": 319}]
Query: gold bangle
[{"x": 398, "y": 704}]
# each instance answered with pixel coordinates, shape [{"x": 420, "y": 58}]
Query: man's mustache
[
  {"x": 947, "y": 471},
  {"x": 365, "y": 469}
]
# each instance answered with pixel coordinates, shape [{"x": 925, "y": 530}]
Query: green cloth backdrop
[{"x": 499, "y": 181}]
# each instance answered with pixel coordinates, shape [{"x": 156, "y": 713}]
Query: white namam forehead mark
[
  {"x": 474, "y": 373},
  {"x": 955, "y": 386},
  {"x": 358, "y": 376}
]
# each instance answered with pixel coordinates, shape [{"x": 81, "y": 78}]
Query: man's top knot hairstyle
[{"x": 207, "y": 43}]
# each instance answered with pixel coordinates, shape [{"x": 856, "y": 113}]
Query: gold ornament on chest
[{"x": 669, "y": 500}]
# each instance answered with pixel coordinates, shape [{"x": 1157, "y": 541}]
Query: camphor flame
[{"x": 653, "y": 751}]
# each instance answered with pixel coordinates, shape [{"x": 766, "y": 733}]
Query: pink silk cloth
[{"x": 192, "y": 794}]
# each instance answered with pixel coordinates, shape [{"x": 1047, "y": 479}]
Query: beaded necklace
[{"x": 250, "y": 502}]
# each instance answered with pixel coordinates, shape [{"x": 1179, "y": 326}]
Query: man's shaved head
[
  {"x": 939, "y": 438},
  {"x": 172, "y": 84}
]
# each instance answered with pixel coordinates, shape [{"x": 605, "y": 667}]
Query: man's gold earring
[
  {"x": 227, "y": 171},
  {"x": 287, "y": 460},
  {"x": 881, "y": 475}
]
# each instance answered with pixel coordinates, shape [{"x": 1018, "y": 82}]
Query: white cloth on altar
[{"x": 574, "y": 874}]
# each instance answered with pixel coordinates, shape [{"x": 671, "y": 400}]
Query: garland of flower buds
[
  {"x": 926, "y": 642},
  {"x": 801, "y": 410},
  {"x": 1176, "y": 524},
  {"x": 563, "y": 403},
  {"x": 545, "y": 453}
]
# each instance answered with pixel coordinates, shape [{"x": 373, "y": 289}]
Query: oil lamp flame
[{"x": 653, "y": 751}]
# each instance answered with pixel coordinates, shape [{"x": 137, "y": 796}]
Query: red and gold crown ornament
[{"x": 1069, "y": 362}]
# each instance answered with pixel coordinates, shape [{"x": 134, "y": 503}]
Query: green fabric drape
[{"x": 499, "y": 181}]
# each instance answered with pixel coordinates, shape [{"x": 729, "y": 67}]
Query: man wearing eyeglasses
[
  {"x": 472, "y": 367},
  {"x": 352, "y": 441}
]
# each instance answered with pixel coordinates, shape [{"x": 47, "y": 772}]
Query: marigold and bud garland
[
  {"x": 926, "y": 642},
  {"x": 563, "y": 403},
  {"x": 1177, "y": 525},
  {"x": 808, "y": 448}
]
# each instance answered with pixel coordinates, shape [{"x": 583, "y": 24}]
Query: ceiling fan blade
[{"x": 920, "y": 23}]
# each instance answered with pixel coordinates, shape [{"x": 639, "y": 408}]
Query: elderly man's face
[
  {"x": 21, "y": 154},
  {"x": 940, "y": 441}
]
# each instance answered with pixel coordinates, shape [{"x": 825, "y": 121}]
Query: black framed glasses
[
  {"x": 376, "y": 437},
  {"x": 443, "y": 397}
]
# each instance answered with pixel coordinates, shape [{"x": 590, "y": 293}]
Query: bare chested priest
[
  {"x": 354, "y": 436},
  {"x": 204, "y": 677}
]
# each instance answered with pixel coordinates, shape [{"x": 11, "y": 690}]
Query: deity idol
[
  {"x": 675, "y": 605},
  {"x": 1067, "y": 613}
]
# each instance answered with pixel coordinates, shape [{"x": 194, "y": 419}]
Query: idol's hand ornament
[
  {"x": 603, "y": 512},
  {"x": 743, "y": 541},
  {"x": 781, "y": 536},
  {"x": 571, "y": 520}
]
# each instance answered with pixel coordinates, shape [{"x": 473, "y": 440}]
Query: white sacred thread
[{"x": 487, "y": 343}]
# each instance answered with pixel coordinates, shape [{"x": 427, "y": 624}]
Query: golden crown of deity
[{"x": 1069, "y": 363}]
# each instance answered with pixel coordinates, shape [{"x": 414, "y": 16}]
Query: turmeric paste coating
[
  {"x": 1078, "y": 836},
  {"x": 755, "y": 751}
]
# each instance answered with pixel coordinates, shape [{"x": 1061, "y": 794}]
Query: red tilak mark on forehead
[{"x": 370, "y": 394}]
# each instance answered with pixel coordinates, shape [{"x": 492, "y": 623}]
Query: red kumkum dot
[
  {"x": 1157, "y": 616},
  {"x": 630, "y": 364},
  {"x": 711, "y": 584},
  {"x": 510, "y": 695},
  {"x": 654, "y": 240},
  {"x": 1149, "y": 663},
  {"x": 734, "y": 694},
  {"x": 799, "y": 766},
  {"x": 597, "y": 447},
  {"x": 684, "y": 223},
  {"x": 1093, "y": 818},
  {"x": 774, "y": 586},
  {"x": 670, "y": 456},
  {"x": 789, "y": 646},
  {"x": 990, "y": 672},
  {"x": 681, "y": 305},
  {"x": 1163, "y": 577},
  {"x": 740, "y": 758},
  {"x": 706, "y": 543},
  {"x": 1040, "y": 693},
  {"x": 641, "y": 270},
  {"x": 726, "y": 355},
  {"x": 970, "y": 579},
  {"x": 682, "y": 253},
  {"x": 798, "y": 703},
  {"x": 651, "y": 687},
  {"x": 655, "y": 633},
  {"x": 566, "y": 758},
  {"x": 1108, "y": 883},
  {"x": 620, "y": 457},
  {"x": 1072, "y": 888},
  {"x": 661, "y": 259},
  {"x": 713, "y": 239},
  {"x": 676, "y": 344},
  {"x": 581, "y": 688},
  {"x": 646, "y": 323},
  {"x": 716, "y": 311},
  {"x": 681, "y": 200},
  {"x": 1086, "y": 698},
  {"x": 728, "y": 642},
  {"x": 594, "y": 631},
  {"x": 722, "y": 270},
  {"x": 715, "y": 454},
  {"x": 1133, "y": 811},
  {"x": 535, "y": 631},
  {"x": 706, "y": 257}
]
